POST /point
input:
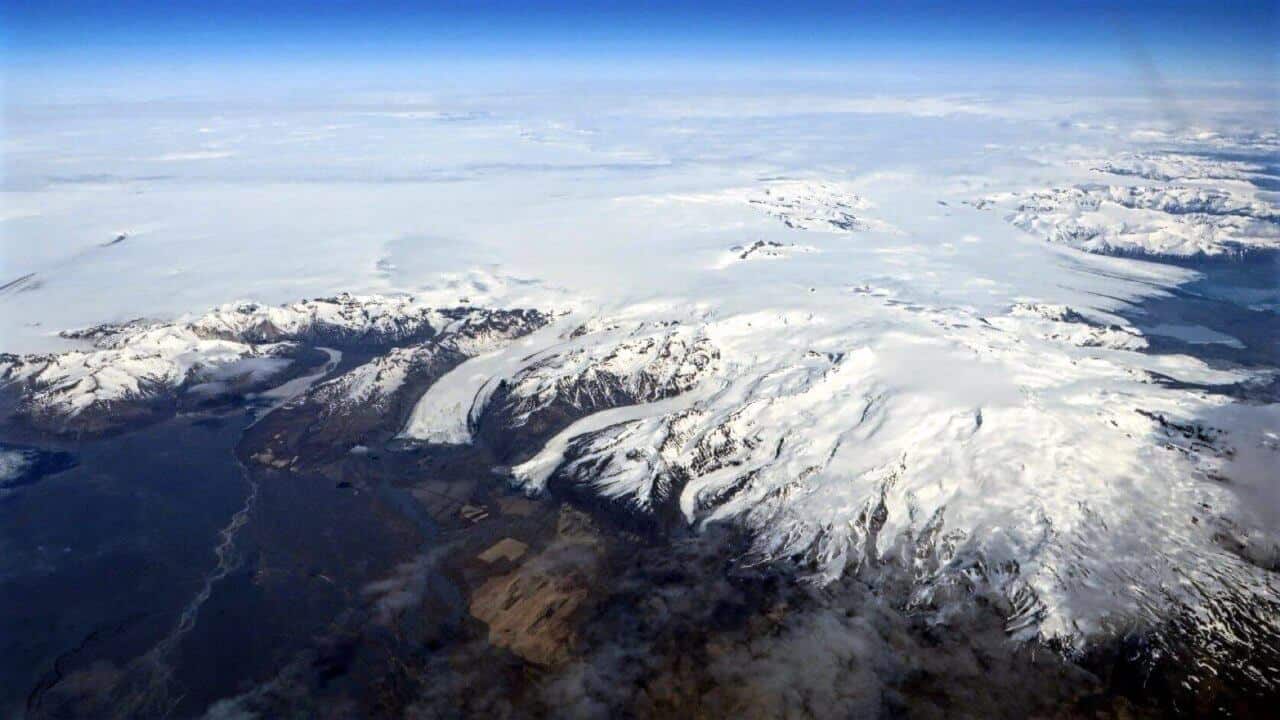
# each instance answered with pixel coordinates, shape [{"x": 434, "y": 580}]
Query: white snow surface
[{"x": 929, "y": 384}]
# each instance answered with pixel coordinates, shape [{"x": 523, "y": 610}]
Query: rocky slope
[
  {"x": 366, "y": 405},
  {"x": 602, "y": 369}
]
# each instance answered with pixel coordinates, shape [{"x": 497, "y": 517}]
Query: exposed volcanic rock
[
  {"x": 762, "y": 250},
  {"x": 648, "y": 364}
]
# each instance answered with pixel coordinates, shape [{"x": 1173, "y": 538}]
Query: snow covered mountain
[
  {"x": 140, "y": 369},
  {"x": 822, "y": 438},
  {"x": 815, "y": 205},
  {"x": 134, "y": 372},
  {"x": 1181, "y": 166},
  {"x": 1180, "y": 222},
  {"x": 1204, "y": 209},
  {"x": 811, "y": 205}
]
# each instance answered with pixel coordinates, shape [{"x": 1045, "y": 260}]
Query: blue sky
[{"x": 67, "y": 41}]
